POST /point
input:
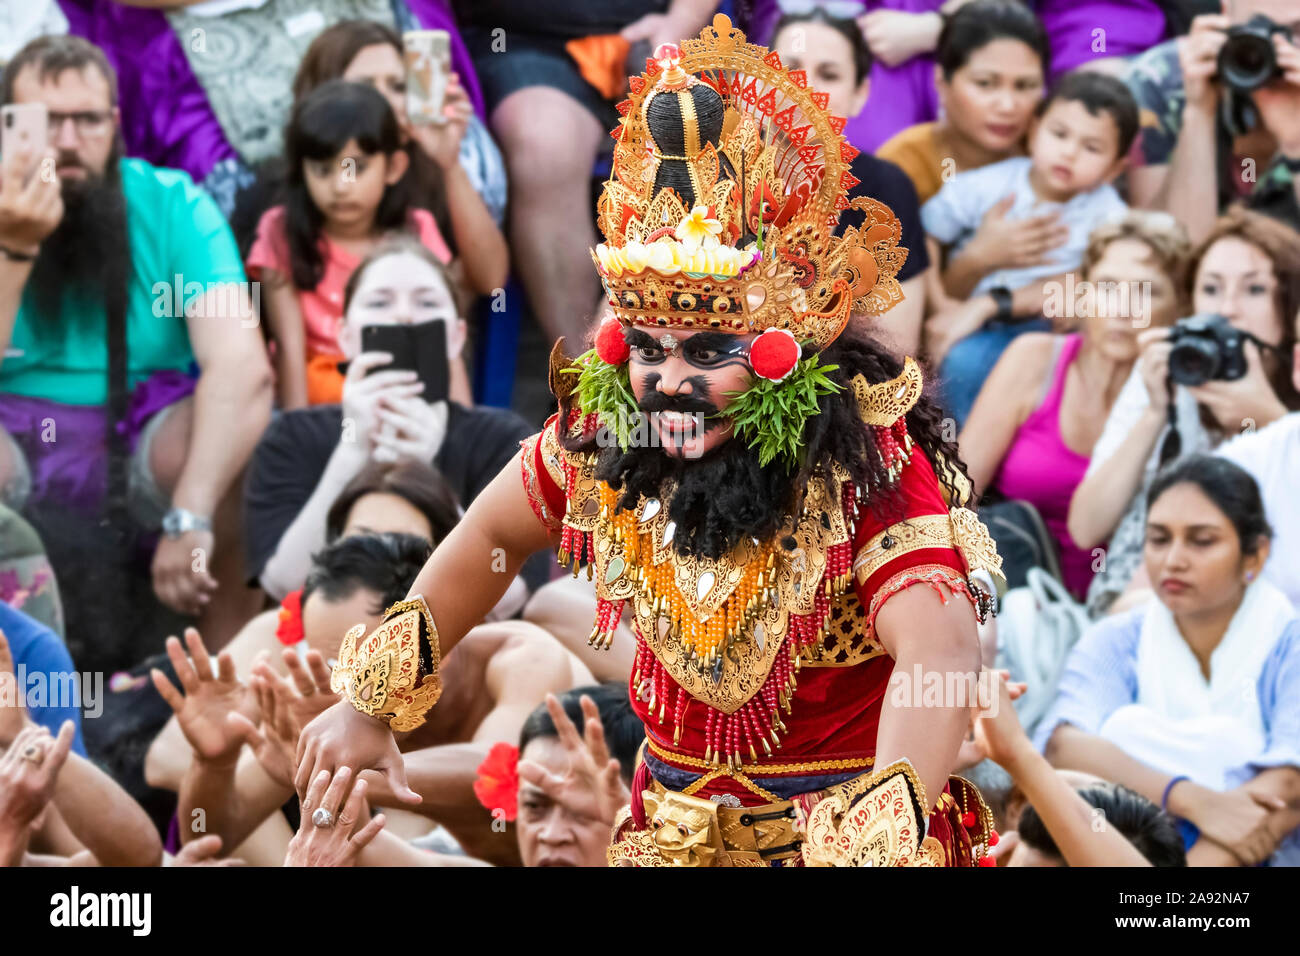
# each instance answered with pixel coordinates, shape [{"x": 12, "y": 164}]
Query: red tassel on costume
[
  {"x": 640, "y": 783},
  {"x": 968, "y": 819},
  {"x": 993, "y": 838},
  {"x": 987, "y": 861}
]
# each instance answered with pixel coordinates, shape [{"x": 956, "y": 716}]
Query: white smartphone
[
  {"x": 24, "y": 129},
  {"x": 428, "y": 65}
]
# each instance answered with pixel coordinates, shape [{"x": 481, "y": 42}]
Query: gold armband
[{"x": 392, "y": 673}]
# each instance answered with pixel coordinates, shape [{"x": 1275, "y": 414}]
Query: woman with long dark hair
[{"x": 1193, "y": 698}]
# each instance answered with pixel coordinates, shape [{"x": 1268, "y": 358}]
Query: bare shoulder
[
  {"x": 1026, "y": 363},
  {"x": 1036, "y": 347},
  {"x": 524, "y": 652}
]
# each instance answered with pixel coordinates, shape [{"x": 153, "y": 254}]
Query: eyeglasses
[
  {"x": 89, "y": 124},
  {"x": 839, "y": 9}
]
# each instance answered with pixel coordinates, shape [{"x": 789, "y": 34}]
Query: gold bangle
[{"x": 391, "y": 673}]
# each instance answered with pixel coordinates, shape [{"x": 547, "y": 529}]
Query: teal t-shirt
[{"x": 180, "y": 244}]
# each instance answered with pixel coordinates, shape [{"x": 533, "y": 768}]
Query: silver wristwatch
[{"x": 178, "y": 521}]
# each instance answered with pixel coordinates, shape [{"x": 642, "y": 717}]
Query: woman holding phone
[{"x": 307, "y": 457}]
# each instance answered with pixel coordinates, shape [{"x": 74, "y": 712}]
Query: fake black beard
[
  {"x": 720, "y": 500},
  {"x": 725, "y": 496},
  {"x": 87, "y": 255}
]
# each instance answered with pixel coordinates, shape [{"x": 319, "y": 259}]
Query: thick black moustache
[
  {"x": 696, "y": 401},
  {"x": 659, "y": 402}
]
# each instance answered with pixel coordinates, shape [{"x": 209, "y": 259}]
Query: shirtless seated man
[{"x": 493, "y": 682}]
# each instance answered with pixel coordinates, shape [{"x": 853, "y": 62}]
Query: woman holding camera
[{"x": 1247, "y": 270}]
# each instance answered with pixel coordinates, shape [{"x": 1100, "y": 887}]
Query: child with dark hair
[
  {"x": 1152, "y": 832},
  {"x": 345, "y": 192},
  {"x": 1078, "y": 142}
]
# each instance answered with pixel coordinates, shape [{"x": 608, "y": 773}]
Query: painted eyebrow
[
  {"x": 1192, "y": 528},
  {"x": 638, "y": 339}
]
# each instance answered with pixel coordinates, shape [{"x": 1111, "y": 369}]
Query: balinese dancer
[{"x": 766, "y": 494}]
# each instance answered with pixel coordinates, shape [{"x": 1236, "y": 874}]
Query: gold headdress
[{"x": 727, "y": 184}]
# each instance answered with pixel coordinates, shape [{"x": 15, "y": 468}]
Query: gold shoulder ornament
[
  {"x": 381, "y": 674},
  {"x": 884, "y": 403}
]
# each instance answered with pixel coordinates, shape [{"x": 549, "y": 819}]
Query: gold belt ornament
[{"x": 691, "y": 831}]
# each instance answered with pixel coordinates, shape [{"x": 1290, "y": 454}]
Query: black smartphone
[{"x": 421, "y": 349}]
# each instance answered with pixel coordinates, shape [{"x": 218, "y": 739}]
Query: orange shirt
[{"x": 917, "y": 152}]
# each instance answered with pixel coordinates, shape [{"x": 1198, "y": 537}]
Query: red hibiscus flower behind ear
[{"x": 497, "y": 784}]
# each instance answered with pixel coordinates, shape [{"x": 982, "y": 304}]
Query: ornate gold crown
[{"x": 728, "y": 181}]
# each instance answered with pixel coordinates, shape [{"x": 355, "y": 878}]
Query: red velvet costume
[
  {"x": 827, "y": 731},
  {"x": 758, "y": 674}
]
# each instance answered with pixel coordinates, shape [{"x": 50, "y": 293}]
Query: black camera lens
[
  {"x": 1193, "y": 361},
  {"x": 1247, "y": 59}
]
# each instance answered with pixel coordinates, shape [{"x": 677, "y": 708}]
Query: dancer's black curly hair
[{"x": 726, "y": 496}]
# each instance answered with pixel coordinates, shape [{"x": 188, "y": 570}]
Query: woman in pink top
[
  {"x": 344, "y": 193},
  {"x": 1031, "y": 431}
]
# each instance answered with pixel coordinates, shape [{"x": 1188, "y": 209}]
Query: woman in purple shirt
[{"x": 903, "y": 35}]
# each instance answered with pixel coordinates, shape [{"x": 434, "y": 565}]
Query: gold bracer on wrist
[
  {"x": 877, "y": 819},
  {"x": 392, "y": 673}
]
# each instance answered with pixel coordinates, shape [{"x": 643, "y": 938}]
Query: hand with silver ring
[
  {"x": 318, "y": 841},
  {"x": 29, "y": 771}
]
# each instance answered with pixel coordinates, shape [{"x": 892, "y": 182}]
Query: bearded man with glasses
[{"x": 134, "y": 382}]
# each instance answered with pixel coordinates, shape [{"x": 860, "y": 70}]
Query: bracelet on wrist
[
  {"x": 1164, "y": 797},
  {"x": 392, "y": 673}
]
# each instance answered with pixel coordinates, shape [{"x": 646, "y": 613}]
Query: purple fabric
[
  {"x": 151, "y": 396},
  {"x": 166, "y": 117},
  {"x": 65, "y": 445},
  {"x": 1130, "y": 26},
  {"x": 904, "y": 95},
  {"x": 172, "y": 844},
  {"x": 1041, "y": 469}
]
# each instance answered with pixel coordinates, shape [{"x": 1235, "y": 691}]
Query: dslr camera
[
  {"x": 1205, "y": 348},
  {"x": 1247, "y": 59}
]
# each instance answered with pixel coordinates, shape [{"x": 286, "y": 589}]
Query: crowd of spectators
[{"x": 199, "y": 433}]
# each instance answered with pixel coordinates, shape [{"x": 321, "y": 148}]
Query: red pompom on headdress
[
  {"x": 774, "y": 354},
  {"x": 497, "y": 783},
  {"x": 610, "y": 344},
  {"x": 289, "y": 628}
]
